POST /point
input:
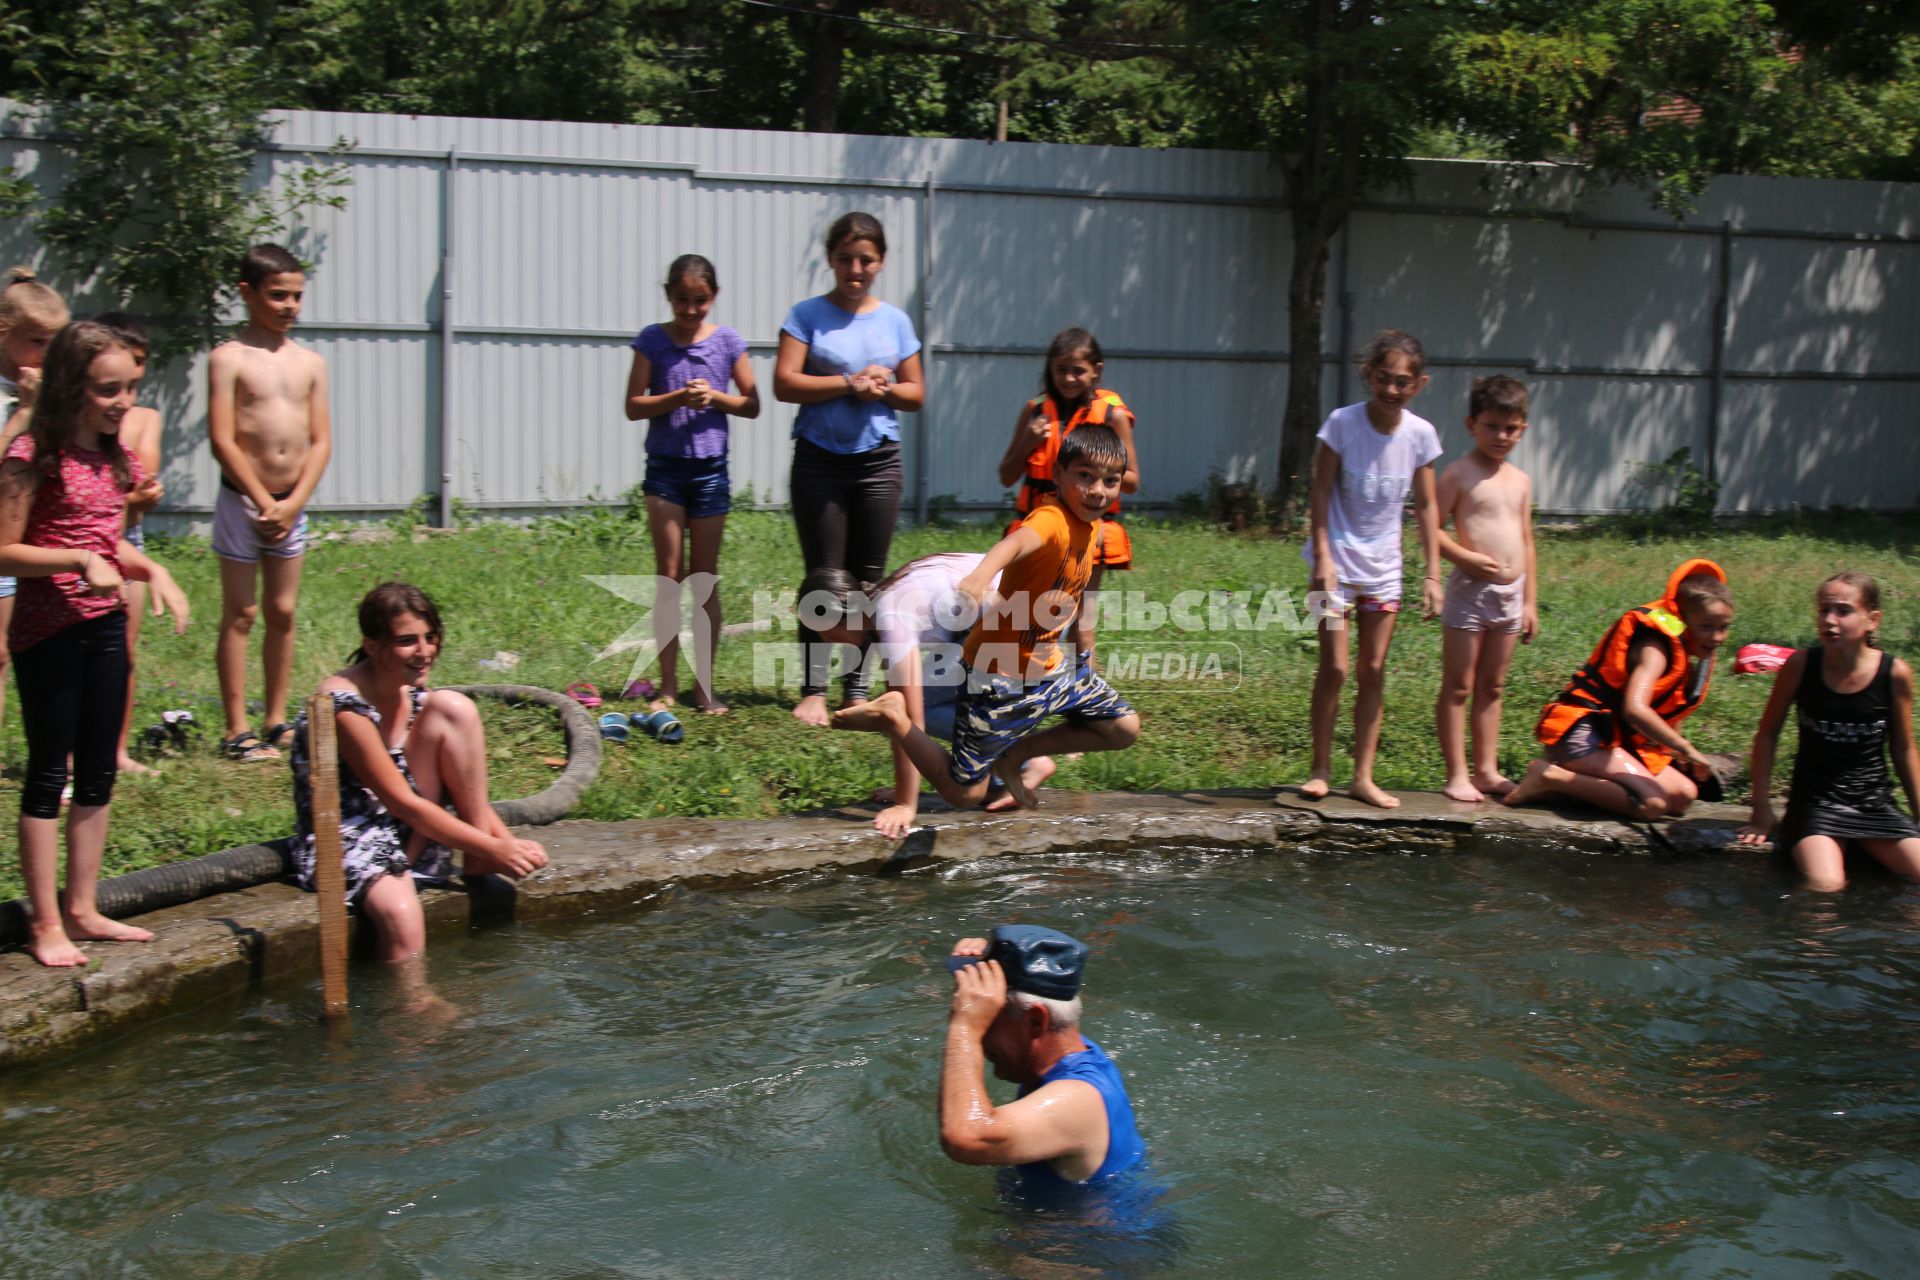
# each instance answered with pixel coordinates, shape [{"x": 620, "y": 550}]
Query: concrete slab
[{"x": 224, "y": 942}]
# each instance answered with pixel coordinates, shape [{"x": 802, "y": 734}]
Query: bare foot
[
  {"x": 1316, "y": 787},
  {"x": 1462, "y": 790},
  {"x": 94, "y": 927},
  {"x": 665, "y": 702},
  {"x": 1493, "y": 785},
  {"x": 885, "y": 714},
  {"x": 1533, "y": 786},
  {"x": 708, "y": 705},
  {"x": 1034, "y": 773},
  {"x": 55, "y": 950},
  {"x": 127, "y": 766},
  {"x": 812, "y": 710},
  {"x": 1018, "y": 795},
  {"x": 1368, "y": 792}
]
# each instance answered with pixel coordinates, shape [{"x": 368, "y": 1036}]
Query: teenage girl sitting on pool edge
[
  {"x": 1854, "y": 702},
  {"x": 406, "y": 752},
  {"x": 1612, "y": 735}
]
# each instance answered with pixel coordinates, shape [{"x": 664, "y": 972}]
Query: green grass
[{"x": 527, "y": 590}]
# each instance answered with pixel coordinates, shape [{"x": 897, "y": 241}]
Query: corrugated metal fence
[{"x": 487, "y": 275}]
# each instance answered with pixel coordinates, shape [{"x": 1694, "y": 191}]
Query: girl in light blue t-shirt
[{"x": 852, "y": 363}]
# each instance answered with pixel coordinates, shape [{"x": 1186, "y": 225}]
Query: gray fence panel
[{"x": 1177, "y": 260}]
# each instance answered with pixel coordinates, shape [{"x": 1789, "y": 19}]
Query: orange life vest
[
  {"x": 1039, "y": 478},
  {"x": 1601, "y": 685}
]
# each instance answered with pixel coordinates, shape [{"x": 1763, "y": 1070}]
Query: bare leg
[
  {"x": 280, "y": 590},
  {"x": 1459, "y": 661},
  {"x": 1033, "y": 775},
  {"x": 239, "y": 606},
  {"x": 1324, "y": 710},
  {"x": 1376, "y": 634},
  {"x": 1489, "y": 689},
  {"x": 40, "y": 868},
  {"x": 392, "y": 905},
  {"x": 447, "y": 749},
  {"x": 86, "y": 843},
  {"x": 707, "y": 533},
  {"x": 1612, "y": 780},
  {"x": 1902, "y": 857},
  {"x": 888, "y": 714},
  {"x": 667, "y": 522},
  {"x": 1823, "y": 862},
  {"x": 136, "y": 593},
  {"x": 1069, "y": 735}
]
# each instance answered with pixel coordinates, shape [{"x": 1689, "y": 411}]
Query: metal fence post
[
  {"x": 920, "y": 459},
  {"x": 446, "y": 341},
  {"x": 1716, "y": 389}
]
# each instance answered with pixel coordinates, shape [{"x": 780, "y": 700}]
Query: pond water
[{"x": 1351, "y": 1066}]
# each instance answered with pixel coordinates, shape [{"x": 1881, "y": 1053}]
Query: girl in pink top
[{"x": 63, "y": 504}]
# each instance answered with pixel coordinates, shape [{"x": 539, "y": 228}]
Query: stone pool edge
[{"x": 219, "y": 944}]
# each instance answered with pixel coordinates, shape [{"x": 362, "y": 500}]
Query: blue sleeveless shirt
[{"x": 1124, "y": 1147}]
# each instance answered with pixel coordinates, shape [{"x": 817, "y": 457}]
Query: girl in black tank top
[{"x": 1841, "y": 790}]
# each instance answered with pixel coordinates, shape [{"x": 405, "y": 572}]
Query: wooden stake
[{"x": 329, "y": 874}]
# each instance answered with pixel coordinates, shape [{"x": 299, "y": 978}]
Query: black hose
[{"x": 174, "y": 883}]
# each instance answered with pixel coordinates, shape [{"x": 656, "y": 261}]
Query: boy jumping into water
[
  {"x": 1490, "y": 593},
  {"x": 1017, "y": 674},
  {"x": 267, "y": 420}
]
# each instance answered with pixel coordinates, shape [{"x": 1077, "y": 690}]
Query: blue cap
[{"x": 1036, "y": 960}]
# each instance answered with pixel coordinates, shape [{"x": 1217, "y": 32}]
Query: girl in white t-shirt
[{"x": 1368, "y": 458}]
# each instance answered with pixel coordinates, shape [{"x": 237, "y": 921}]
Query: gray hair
[{"x": 1062, "y": 1015}]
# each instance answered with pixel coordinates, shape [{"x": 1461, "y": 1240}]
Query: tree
[
  {"x": 1334, "y": 90},
  {"x": 160, "y": 113}
]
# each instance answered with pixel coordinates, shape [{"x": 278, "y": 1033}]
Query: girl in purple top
[
  {"x": 63, "y": 511},
  {"x": 678, "y": 383}
]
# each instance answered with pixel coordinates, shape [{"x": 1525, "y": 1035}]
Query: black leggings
[
  {"x": 73, "y": 694},
  {"x": 845, "y": 506}
]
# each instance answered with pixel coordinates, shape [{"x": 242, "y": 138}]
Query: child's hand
[
  {"x": 1036, "y": 431},
  {"x": 1760, "y": 825},
  {"x": 1478, "y": 565},
  {"x": 868, "y": 388},
  {"x": 1529, "y": 624},
  {"x": 697, "y": 394},
  {"x": 1325, "y": 576},
  {"x": 165, "y": 596},
  {"x": 895, "y": 820},
  {"x": 146, "y": 496},
  {"x": 879, "y": 374},
  {"x": 276, "y": 520},
  {"x": 29, "y": 385},
  {"x": 1433, "y": 598},
  {"x": 101, "y": 577}
]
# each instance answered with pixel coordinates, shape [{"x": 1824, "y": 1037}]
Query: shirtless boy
[
  {"x": 1491, "y": 591},
  {"x": 267, "y": 417}
]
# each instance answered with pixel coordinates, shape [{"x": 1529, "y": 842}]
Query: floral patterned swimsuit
[{"x": 373, "y": 843}]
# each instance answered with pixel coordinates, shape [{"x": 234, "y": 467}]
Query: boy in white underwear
[
  {"x": 1490, "y": 593},
  {"x": 268, "y": 423}
]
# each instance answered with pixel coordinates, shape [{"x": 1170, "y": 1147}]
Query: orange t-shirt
[{"x": 1039, "y": 595}]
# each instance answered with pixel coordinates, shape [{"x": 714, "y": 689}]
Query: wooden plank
[{"x": 329, "y": 873}]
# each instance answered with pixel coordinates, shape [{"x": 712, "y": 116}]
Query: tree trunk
[
  {"x": 1306, "y": 326},
  {"x": 820, "y": 106}
]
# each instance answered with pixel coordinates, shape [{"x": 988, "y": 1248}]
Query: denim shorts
[{"x": 699, "y": 485}]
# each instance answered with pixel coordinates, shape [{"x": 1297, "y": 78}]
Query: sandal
[
  {"x": 279, "y": 736},
  {"x": 583, "y": 693},
  {"x": 641, "y": 688},
  {"x": 246, "y": 747},
  {"x": 614, "y": 727},
  {"x": 659, "y": 725}
]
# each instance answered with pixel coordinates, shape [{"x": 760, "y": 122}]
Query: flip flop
[
  {"x": 659, "y": 725},
  {"x": 614, "y": 727},
  {"x": 583, "y": 693}
]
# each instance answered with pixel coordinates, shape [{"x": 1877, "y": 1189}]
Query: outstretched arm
[
  {"x": 1906, "y": 759},
  {"x": 1766, "y": 742},
  {"x": 1645, "y": 661}
]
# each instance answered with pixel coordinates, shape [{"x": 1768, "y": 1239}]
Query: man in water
[{"x": 1016, "y": 1003}]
